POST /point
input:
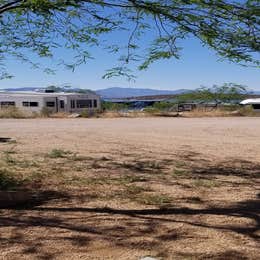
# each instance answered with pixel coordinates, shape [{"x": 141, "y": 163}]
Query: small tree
[{"x": 227, "y": 93}]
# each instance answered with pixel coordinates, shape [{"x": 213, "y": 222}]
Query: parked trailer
[{"x": 54, "y": 102}]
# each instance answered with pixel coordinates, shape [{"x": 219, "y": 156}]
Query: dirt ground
[{"x": 126, "y": 188}]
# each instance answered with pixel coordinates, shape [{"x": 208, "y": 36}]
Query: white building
[
  {"x": 54, "y": 102},
  {"x": 254, "y": 102}
]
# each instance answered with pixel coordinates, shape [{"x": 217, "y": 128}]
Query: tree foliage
[
  {"x": 230, "y": 27},
  {"x": 229, "y": 92}
]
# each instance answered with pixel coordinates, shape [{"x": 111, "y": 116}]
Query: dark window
[
  {"x": 72, "y": 103},
  {"x": 95, "y": 103},
  {"x": 256, "y": 106},
  {"x": 26, "y": 104},
  {"x": 33, "y": 104},
  {"x": 7, "y": 103},
  {"x": 50, "y": 104},
  {"x": 30, "y": 104},
  {"x": 84, "y": 103},
  {"x": 61, "y": 103}
]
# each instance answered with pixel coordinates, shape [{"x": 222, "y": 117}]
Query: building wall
[
  {"x": 76, "y": 98},
  {"x": 20, "y": 102}
]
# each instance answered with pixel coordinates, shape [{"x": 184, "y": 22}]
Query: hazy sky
[{"x": 197, "y": 66}]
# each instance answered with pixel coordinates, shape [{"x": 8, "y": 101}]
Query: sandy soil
[{"x": 171, "y": 188}]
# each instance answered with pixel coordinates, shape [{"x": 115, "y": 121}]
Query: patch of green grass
[
  {"x": 8, "y": 159},
  {"x": 180, "y": 164},
  {"x": 206, "y": 183},
  {"x": 83, "y": 181},
  {"x": 8, "y": 181},
  {"x": 58, "y": 153},
  {"x": 131, "y": 178},
  {"x": 133, "y": 190},
  {"x": 154, "y": 199},
  {"x": 142, "y": 166},
  {"x": 35, "y": 176},
  {"x": 179, "y": 172}
]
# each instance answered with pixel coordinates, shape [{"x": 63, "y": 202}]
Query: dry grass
[
  {"x": 13, "y": 112},
  {"x": 124, "y": 201}
]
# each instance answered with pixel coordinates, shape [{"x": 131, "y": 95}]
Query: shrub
[
  {"x": 59, "y": 153},
  {"x": 110, "y": 106},
  {"x": 46, "y": 112},
  {"x": 11, "y": 112},
  {"x": 8, "y": 181},
  {"x": 248, "y": 111},
  {"x": 162, "y": 106},
  {"x": 87, "y": 113}
]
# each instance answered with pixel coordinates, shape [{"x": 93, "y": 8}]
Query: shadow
[
  {"x": 26, "y": 199},
  {"x": 42, "y": 229},
  {"x": 5, "y": 139},
  {"x": 133, "y": 229},
  {"x": 229, "y": 254}
]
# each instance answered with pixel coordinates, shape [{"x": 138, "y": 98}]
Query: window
[
  {"x": 72, "y": 103},
  {"x": 61, "y": 103},
  {"x": 84, "y": 103},
  {"x": 94, "y": 103},
  {"x": 33, "y": 104},
  {"x": 30, "y": 104},
  {"x": 256, "y": 106},
  {"x": 7, "y": 103},
  {"x": 50, "y": 104}
]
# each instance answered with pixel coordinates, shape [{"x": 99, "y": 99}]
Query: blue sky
[{"x": 198, "y": 66}]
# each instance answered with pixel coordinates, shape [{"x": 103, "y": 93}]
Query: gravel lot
[{"x": 126, "y": 188}]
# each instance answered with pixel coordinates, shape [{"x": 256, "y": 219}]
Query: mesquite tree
[{"x": 150, "y": 29}]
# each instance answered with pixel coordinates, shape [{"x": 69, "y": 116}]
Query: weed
[
  {"x": 9, "y": 159},
  {"x": 180, "y": 164},
  {"x": 133, "y": 190},
  {"x": 179, "y": 172},
  {"x": 154, "y": 199},
  {"x": 8, "y": 181},
  {"x": 12, "y": 112},
  {"x": 206, "y": 183},
  {"x": 35, "y": 176},
  {"x": 130, "y": 179},
  {"x": 59, "y": 153}
]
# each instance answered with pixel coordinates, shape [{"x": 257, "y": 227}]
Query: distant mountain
[
  {"x": 136, "y": 92},
  {"x": 21, "y": 89},
  {"x": 110, "y": 93}
]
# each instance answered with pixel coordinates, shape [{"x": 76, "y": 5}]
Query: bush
[
  {"x": 248, "y": 111},
  {"x": 110, "y": 106},
  {"x": 8, "y": 181},
  {"x": 59, "y": 153},
  {"x": 11, "y": 112},
  {"x": 46, "y": 112},
  {"x": 162, "y": 106}
]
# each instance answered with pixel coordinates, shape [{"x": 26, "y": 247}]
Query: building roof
[
  {"x": 41, "y": 94},
  {"x": 250, "y": 101}
]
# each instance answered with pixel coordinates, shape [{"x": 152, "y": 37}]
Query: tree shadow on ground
[{"x": 138, "y": 229}]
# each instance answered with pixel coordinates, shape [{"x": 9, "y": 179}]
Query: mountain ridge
[
  {"x": 117, "y": 92},
  {"x": 120, "y": 92}
]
